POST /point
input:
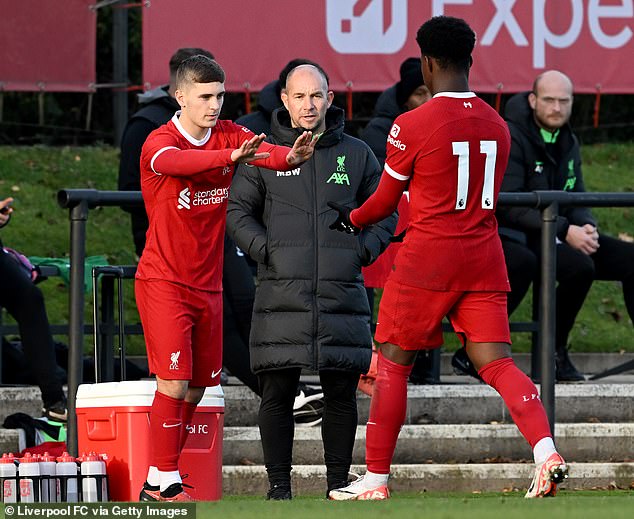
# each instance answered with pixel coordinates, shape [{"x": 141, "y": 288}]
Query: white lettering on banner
[
  {"x": 596, "y": 11},
  {"x": 504, "y": 17},
  {"x": 542, "y": 34},
  {"x": 366, "y": 26}
]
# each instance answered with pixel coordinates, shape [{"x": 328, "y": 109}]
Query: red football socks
[
  {"x": 387, "y": 414},
  {"x": 520, "y": 396},
  {"x": 188, "y": 416},
  {"x": 166, "y": 422}
]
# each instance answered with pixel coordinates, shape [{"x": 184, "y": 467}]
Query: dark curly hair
[
  {"x": 447, "y": 39},
  {"x": 199, "y": 69}
]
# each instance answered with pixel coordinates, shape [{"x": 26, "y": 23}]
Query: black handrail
[{"x": 80, "y": 201}]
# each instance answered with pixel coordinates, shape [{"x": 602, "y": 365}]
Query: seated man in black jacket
[
  {"x": 545, "y": 155},
  {"x": 24, "y": 301}
]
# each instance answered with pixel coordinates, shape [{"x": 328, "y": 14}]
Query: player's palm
[
  {"x": 247, "y": 152},
  {"x": 303, "y": 149}
]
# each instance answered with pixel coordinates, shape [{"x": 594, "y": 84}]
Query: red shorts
[
  {"x": 411, "y": 317},
  {"x": 183, "y": 331}
]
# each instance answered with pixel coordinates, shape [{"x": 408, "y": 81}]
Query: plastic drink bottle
[
  {"x": 93, "y": 472},
  {"x": 8, "y": 479},
  {"x": 66, "y": 475},
  {"x": 48, "y": 468},
  {"x": 29, "y": 479}
]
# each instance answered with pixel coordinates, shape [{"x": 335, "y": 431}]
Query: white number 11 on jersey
[{"x": 489, "y": 148}]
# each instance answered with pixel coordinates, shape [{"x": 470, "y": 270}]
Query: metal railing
[{"x": 80, "y": 201}]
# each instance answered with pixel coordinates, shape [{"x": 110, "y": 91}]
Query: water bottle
[
  {"x": 66, "y": 475},
  {"x": 8, "y": 477},
  {"x": 29, "y": 479},
  {"x": 48, "y": 467},
  {"x": 93, "y": 482}
]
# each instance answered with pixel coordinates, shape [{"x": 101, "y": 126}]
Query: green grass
[
  {"x": 578, "y": 505},
  {"x": 33, "y": 175}
]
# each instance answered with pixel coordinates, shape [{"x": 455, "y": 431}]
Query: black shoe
[
  {"x": 423, "y": 371},
  {"x": 462, "y": 364},
  {"x": 56, "y": 412},
  {"x": 279, "y": 492},
  {"x": 150, "y": 492},
  {"x": 565, "y": 370}
]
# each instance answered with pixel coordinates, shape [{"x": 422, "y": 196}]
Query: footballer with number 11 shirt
[
  {"x": 186, "y": 170},
  {"x": 451, "y": 153}
]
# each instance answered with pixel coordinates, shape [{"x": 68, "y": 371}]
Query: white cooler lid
[{"x": 134, "y": 393}]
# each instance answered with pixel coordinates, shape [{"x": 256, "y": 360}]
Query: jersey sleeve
[
  {"x": 401, "y": 151},
  {"x": 277, "y": 158},
  {"x": 162, "y": 155}
]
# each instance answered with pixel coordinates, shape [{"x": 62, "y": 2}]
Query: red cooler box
[{"x": 113, "y": 420}]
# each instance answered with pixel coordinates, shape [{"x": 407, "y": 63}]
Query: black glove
[
  {"x": 343, "y": 223},
  {"x": 398, "y": 238}
]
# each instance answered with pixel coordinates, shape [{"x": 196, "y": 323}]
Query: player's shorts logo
[
  {"x": 395, "y": 130},
  {"x": 174, "y": 360},
  {"x": 183, "y": 199}
]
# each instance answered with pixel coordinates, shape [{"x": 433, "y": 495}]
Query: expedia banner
[{"x": 361, "y": 43}]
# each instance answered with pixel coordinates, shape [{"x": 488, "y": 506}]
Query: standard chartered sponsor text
[{"x": 211, "y": 196}]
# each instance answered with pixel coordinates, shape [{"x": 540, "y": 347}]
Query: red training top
[
  {"x": 185, "y": 186},
  {"x": 451, "y": 154}
]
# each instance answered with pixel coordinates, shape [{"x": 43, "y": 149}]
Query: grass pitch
[{"x": 568, "y": 504}]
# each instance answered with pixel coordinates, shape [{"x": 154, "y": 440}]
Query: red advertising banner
[
  {"x": 47, "y": 45},
  {"x": 361, "y": 43}
]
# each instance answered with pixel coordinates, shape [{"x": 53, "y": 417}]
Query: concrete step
[
  {"x": 20, "y": 399},
  {"x": 471, "y": 403},
  {"x": 488, "y": 477},
  {"x": 454, "y": 402},
  {"x": 421, "y": 444},
  {"x": 588, "y": 363}
]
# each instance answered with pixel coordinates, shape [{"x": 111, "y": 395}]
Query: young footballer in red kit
[
  {"x": 186, "y": 170},
  {"x": 451, "y": 153}
]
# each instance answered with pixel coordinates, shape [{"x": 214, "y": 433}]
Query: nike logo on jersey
[
  {"x": 169, "y": 426},
  {"x": 214, "y": 374}
]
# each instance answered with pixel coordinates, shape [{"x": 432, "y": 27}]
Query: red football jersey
[
  {"x": 185, "y": 196},
  {"x": 453, "y": 151}
]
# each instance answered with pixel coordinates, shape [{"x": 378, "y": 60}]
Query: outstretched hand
[
  {"x": 247, "y": 151},
  {"x": 5, "y": 211},
  {"x": 343, "y": 223},
  {"x": 302, "y": 149}
]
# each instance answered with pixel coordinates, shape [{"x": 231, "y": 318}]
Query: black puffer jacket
[
  {"x": 268, "y": 101},
  {"x": 311, "y": 310},
  {"x": 376, "y": 132},
  {"x": 532, "y": 168}
]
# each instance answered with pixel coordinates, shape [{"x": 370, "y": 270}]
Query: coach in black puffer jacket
[{"x": 311, "y": 310}]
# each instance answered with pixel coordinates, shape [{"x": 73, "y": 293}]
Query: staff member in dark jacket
[
  {"x": 545, "y": 156},
  {"x": 311, "y": 311}
]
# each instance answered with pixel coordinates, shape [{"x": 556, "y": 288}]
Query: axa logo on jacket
[{"x": 340, "y": 176}]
